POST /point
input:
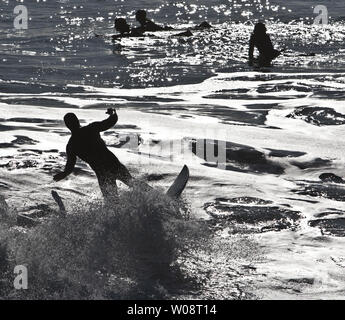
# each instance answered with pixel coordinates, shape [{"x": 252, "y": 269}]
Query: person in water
[
  {"x": 262, "y": 41},
  {"x": 125, "y": 30},
  {"x": 87, "y": 144},
  {"x": 148, "y": 25}
]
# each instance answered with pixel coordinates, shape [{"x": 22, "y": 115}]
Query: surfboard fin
[{"x": 179, "y": 184}]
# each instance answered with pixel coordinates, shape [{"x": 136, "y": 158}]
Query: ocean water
[
  {"x": 281, "y": 128},
  {"x": 60, "y": 48}
]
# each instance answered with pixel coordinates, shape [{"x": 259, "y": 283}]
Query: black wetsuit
[
  {"x": 264, "y": 45},
  {"x": 149, "y": 25},
  {"x": 87, "y": 144}
]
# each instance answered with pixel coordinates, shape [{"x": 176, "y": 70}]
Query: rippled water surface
[{"x": 59, "y": 47}]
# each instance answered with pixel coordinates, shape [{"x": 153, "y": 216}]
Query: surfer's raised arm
[
  {"x": 70, "y": 164},
  {"x": 107, "y": 123}
]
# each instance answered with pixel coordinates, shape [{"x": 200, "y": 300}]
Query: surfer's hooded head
[
  {"x": 121, "y": 25},
  {"x": 141, "y": 16},
  {"x": 260, "y": 29},
  {"x": 71, "y": 121}
]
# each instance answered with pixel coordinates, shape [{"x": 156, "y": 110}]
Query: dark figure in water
[
  {"x": 148, "y": 25},
  {"x": 125, "y": 30},
  {"x": 261, "y": 40},
  {"x": 87, "y": 144}
]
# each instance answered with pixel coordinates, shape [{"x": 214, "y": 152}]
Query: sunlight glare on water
[{"x": 61, "y": 38}]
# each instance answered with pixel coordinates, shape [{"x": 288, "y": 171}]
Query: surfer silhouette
[
  {"x": 87, "y": 144},
  {"x": 125, "y": 30},
  {"x": 148, "y": 25},
  {"x": 262, "y": 41}
]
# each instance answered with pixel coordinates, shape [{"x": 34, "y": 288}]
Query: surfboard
[
  {"x": 179, "y": 184},
  {"x": 174, "y": 191}
]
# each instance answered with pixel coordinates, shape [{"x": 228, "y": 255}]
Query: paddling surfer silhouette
[
  {"x": 148, "y": 25},
  {"x": 87, "y": 144},
  {"x": 125, "y": 30}
]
